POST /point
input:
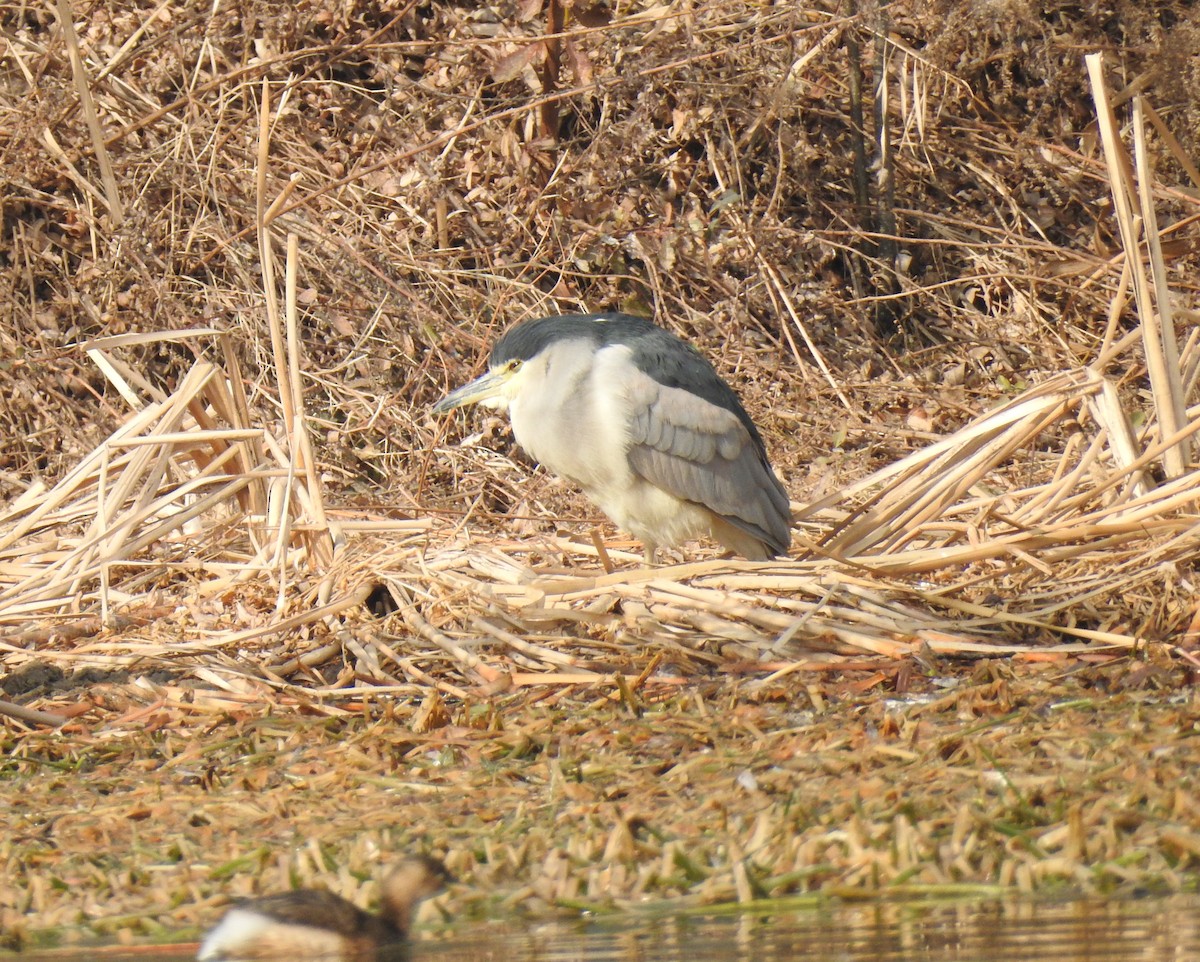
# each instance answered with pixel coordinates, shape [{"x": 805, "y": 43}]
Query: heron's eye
[{"x": 515, "y": 365}]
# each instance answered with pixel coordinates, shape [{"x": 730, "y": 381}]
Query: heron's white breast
[{"x": 572, "y": 415}]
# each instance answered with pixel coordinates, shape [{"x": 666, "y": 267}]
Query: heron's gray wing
[{"x": 702, "y": 452}]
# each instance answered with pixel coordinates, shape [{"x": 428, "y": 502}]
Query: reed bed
[{"x": 265, "y": 621}]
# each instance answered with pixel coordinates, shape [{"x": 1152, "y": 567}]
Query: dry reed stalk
[
  {"x": 1162, "y": 348},
  {"x": 1157, "y": 331}
]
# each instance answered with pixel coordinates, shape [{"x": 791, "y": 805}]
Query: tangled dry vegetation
[{"x": 264, "y": 620}]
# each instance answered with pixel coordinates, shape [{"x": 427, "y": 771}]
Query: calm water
[{"x": 1147, "y": 930}]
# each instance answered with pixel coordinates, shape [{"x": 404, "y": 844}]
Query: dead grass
[{"x": 244, "y": 255}]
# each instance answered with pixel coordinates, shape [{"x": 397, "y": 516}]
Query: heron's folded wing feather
[{"x": 702, "y": 452}]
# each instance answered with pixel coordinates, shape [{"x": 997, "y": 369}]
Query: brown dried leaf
[
  {"x": 580, "y": 63},
  {"x": 528, "y": 9},
  {"x": 511, "y": 67}
]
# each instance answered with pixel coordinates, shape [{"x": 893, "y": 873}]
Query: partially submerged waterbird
[
  {"x": 643, "y": 423},
  {"x": 313, "y": 924}
]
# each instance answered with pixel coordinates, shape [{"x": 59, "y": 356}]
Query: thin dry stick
[
  {"x": 1177, "y": 150},
  {"x": 32, "y": 715},
  {"x": 112, "y": 195}
]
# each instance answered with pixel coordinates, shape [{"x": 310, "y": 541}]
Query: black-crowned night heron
[{"x": 641, "y": 421}]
